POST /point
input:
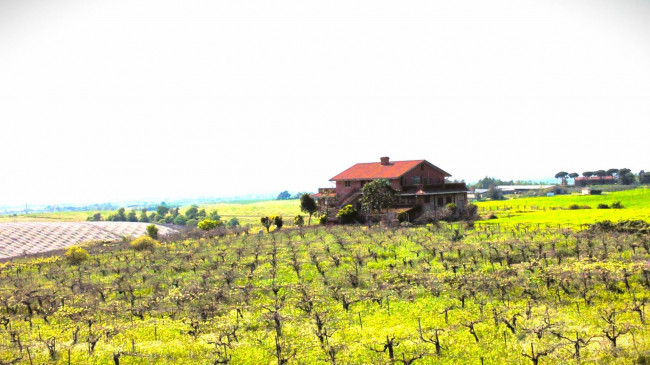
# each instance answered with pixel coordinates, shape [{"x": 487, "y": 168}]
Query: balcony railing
[{"x": 406, "y": 189}]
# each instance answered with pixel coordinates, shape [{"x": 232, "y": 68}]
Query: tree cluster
[
  {"x": 622, "y": 176},
  {"x": 285, "y": 195},
  {"x": 164, "y": 215},
  {"x": 487, "y": 182}
]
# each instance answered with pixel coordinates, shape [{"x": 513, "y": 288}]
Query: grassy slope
[
  {"x": 550, "y": 210},
  {"x": 52, "y": 217},
  {"x": 250, "y": 213}
]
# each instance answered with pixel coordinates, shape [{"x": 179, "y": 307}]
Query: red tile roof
[
  {"x": 323, "y": 195},
  {"x": 375, "y": 170}
]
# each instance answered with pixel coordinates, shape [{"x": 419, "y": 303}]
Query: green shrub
[
  {"x": 452, "y": 207},
  {"x": 402, "y": 217},
  {"x": 347, "y": 214},
  {"x": 95, "y": 217},
  {"x": 233, "y": 222},
  {"x": 192, "y": 222},
  {"x": 192, "y": 212},
  {"x": 299, "y": 220},
  {"x": 322, "y": 220},
  {"x": 603, "y": 206},
  {"x": 144, "y": 243},
  {"x": 576, "y": 206},
  {"x": 625, "y": 226},
  {"x": 132, "y": 216},
  {"x": 180, "y": 220},
  {"x": 617, "y": 205},
  {"x": 76, "y": 255},
  {"x": 143, "y": 216},
  {"x": 208, "y": 224},
  {"x": 494, "y": 194},
  {"x": 214, "y": 216},
  {"x": 277, "y": 220},
  {"x": 470, "y": 213},
  {"x": 152, "y": 231},
  {"x": 267, "y": 222}
]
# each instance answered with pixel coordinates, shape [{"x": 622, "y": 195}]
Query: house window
[
  {"x": 441, "y": 202},
  {"x": 415, "y": 180},
  {"x": 448, "y": 199},
  {"x": 347, "y": 184},
  {"x": 427, "y": 199}
]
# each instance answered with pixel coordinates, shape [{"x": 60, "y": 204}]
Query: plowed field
[{"x": 33, "y": 237}]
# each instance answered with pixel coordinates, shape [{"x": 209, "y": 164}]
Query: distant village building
[
  {"x": 594, "y": 180},
  {"x": 478, "y": 194},
  {"x": 519, "y": 189},
  {"x": 421, "y": 186}
]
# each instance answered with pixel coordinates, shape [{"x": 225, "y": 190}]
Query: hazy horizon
[
  {"x": 224, "y": 196},
  {"x": 118, "y": 101}
]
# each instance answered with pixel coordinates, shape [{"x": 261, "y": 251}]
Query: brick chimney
[{"x": 384, "y": 161}]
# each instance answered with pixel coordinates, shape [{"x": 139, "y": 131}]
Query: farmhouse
[{"x": 421, "y": 186}]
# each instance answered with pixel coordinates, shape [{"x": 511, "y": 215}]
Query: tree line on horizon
[
  {"x": 285, "y": 195},
  {"x": 166, "y": 215},
  {"x": 622, "y": 176}
]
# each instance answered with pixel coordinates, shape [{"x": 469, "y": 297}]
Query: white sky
[{"x": 119, "y": 100}]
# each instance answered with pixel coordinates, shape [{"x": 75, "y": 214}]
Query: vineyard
[
  {"x": 343, "y": 295},
  {"x": 34, "y": 237}
]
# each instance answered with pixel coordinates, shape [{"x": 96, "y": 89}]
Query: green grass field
[
  {"x": 250, "y": 213},
  {"x": 52, "y": 217},
  {"x": 553, "y": 210}
]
